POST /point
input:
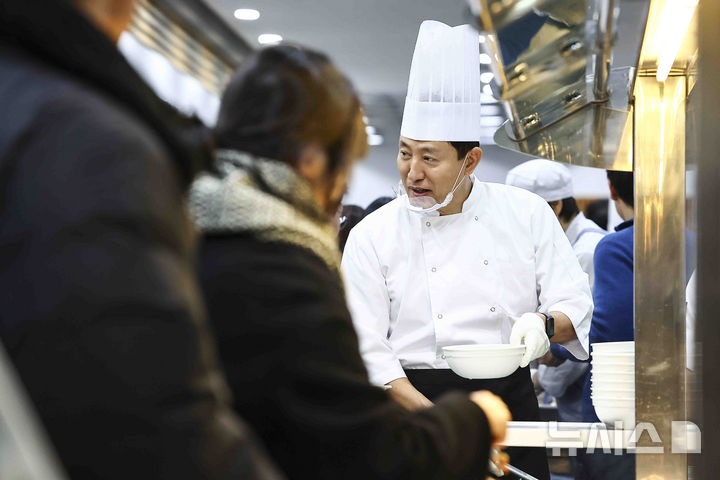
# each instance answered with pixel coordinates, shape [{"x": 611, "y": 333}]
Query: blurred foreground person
[
  {"x": 289, "y": 131},
  {"x": 101, "y": 313}
]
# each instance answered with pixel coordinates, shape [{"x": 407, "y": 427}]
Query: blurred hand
[
  {"x": 496, "y": 412},
  {"x": 500, "y": 459},
  {"x": 550, "y": 360},
  {"x": 405, "y": 394},
  {"x": 529, "y": 330}
]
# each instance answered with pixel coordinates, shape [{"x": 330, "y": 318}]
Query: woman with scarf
[{"x": 289, "y": 130}]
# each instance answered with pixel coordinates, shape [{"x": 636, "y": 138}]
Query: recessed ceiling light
[
  {"x": 247, "y": 14},
  {"x": 269, "y": 38},
  {"x": 487, "y": 90},
  {"x": 482, "y": 38},
  {"x": 486, "y": 77},
  {"x": 370, "y": 130},
  {"x": 484, "y": 58},
  {"x": 375, "y": 140}
]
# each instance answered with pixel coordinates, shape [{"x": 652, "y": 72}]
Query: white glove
[{"x": 529, "y": 330}]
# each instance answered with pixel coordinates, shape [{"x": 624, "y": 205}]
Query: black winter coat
[
  {"x": 99, "y": 306},
  {"x": 291, "y": 355}
]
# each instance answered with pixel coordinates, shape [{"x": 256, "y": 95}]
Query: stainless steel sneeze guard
[
  {"x": 551, "y": 61},
  {"x": 598, "y": 135},
  {"x": 549, "y": 57}
]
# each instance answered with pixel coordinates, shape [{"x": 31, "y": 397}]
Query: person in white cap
[
  {"x": 552, "y": 182},
  {"x": 457, "y": 261}
]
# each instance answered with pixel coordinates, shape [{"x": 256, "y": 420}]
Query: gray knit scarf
[{"x": 266, "y": 198}]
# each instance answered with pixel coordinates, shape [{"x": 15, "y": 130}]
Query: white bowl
[
  {"x": 609, "y": 399},
  {"x": 610, "y": 390},
  {"x": 612, "y": 376},
  {"x": 613, "y": 347},
  {"x": 605, "y": 380},
  {"x": 610, "y": 415},
  {"x": 612, "y": 368},
  {"x": 612, "y": 379},
  {"x": 610, "y": 387},
  {"x": 613, "y": 356},
  {"x": 612, "y": 361},
  {"x": 484, "y": 361},
  {"x": 475, "y": 350}
]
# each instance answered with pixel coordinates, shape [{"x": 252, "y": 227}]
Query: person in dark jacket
[
  {"x": 289, "y": 129},
  {"x": 101, "y": 313},
  {"x": 350, "y": 216}
]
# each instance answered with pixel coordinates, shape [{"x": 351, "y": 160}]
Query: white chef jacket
[
  {"x": 417, "y": 283},
  {"x": 584, "y": 235}
]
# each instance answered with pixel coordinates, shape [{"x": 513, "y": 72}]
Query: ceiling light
[
  {"x": 374, "y": 140},
  {"x": 269, "y": 38},
  {"x": 247, "y": 14},
  {"x": 482, "y": 38},
  {"x": 487, "y": 90},
  {"x": 484, "y": 59},
  {"x": 486, "y": 77},
  {"x": 370, "y": 130}
]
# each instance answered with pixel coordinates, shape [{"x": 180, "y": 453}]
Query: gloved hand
[{"x": 529, "y": 330}]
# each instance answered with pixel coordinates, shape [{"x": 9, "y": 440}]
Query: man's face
[{"x": 428, "y": 168}]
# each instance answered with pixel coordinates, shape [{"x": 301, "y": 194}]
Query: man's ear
[
  {"x": 312, "y": 163},
  {"x": 473, "y": 159},
  {"x": 613, "y": 193}
]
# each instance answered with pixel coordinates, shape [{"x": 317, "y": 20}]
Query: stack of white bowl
[{"x": 613, "y": 382}]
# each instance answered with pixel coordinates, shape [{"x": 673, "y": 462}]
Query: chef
[{"x": 454, "y": 260}]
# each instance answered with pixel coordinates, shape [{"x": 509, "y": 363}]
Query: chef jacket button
[
  {"x": 476, "y": 218},
  {"x": 492, "y": 309},
  {"x": 427, "y": 224},
  {"x": 434, "y": 269},
  {"x": 440, "y": 316},
  {"x": 486, "y": 262}
]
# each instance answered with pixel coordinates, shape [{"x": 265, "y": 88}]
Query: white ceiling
[{"x": 372, "y": 41}]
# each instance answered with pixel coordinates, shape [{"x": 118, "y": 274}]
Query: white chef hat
[
  {"x": 443, "y": 97},
  {"x": 550, "y": 180}
]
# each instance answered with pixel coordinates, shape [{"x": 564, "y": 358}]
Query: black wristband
[{"x": 549, "y": 325}]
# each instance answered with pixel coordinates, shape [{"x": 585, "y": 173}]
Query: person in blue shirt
[{"x": 612, "y": 319}]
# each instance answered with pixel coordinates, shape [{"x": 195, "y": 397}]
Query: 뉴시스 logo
[{"x": 597, "y": 437}]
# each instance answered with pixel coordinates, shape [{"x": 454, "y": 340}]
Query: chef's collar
[
  {"x": 474, "y": 197},
  {"x": 575, "y": 227}
]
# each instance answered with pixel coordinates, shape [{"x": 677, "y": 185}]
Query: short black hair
[
  {"x": 349, "y": 217},
  {"x": 377, "y": 203},
  {"x": 463, "y": 148},
  {"x": 569, "y": 209},
  {"x": 597, "y": 211},
  {"x": 624, "y": 185}
]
